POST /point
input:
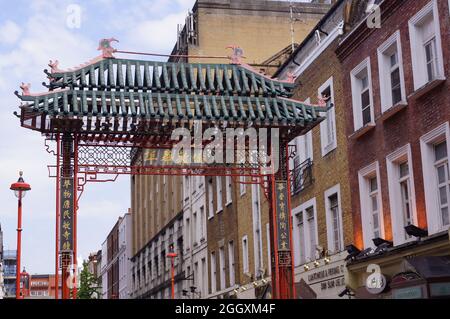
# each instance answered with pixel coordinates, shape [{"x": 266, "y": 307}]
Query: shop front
[{"x": 417, "y": 270}]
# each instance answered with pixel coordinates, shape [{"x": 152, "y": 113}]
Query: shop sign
[
  {"x": 440, "y": 289},
  {"x": 408, "y": 293}
]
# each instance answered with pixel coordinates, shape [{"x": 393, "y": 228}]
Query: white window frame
[
  {"x": 213, "y": 272},
  {"x": 329, "y": 218},
  {"x": 242, "y": 186},
  {"x": 427, "y": 142},
  {"x": 366, "y": 213},
  {"x": 385, "y": 69},
  {"x": 296, "y": 240},
  {"x": 326, "y": 146},
  {"x": 210, "y": 189},
  {"x": 202, "y": 223},
  {"x": 245, "y": 260},
  {"x": 231, "y": 263},
  {"x": 222, "y": 268},
  {"x": 356, "y": 94},
  {"x": 401, "y": 155},
  {"x": 228, "y": 190},
  {"x": 257, "y": 228},
  {"x": 420, "y": 73},
  {"x": 219, "y": 193},
  {"x": 269, "y": 252}
]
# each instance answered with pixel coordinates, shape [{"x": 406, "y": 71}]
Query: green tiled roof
[
  {"x": 134, "y": 90},
  {"x": 151, "y": 105},
  {"x": 120, "y": 74}
]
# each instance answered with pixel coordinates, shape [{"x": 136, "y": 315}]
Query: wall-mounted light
[
  {"x": 306, "y": 267},
  {"x": 316, "y": 263},
  {"x": 327, "y": 260}
]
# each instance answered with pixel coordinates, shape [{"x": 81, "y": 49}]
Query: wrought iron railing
[{"x": 301, "y": 176}]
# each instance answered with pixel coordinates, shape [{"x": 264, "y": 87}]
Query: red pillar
[
  {"x": 58, "y": 176},
  {"x": 75, "y": 212},
  {"x": 283, "y": 285},
  {"x": 19, "y": 245}
]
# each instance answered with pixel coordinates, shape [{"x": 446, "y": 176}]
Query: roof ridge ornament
[
  {"x": 54, "y": 66},
  {"x": 25, "y": 89},
  {"x": 106, "y": 48},
  {"x": 238, "y": 54},
  {"x": 322, "y": 100}
]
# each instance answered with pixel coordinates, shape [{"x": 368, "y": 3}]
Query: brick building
[
  {"x": 321, "y": 205},
  {"x": 110, "y": 264},
  {"x": 397, "y": 119},
  {"x": 234, "y": 228}
]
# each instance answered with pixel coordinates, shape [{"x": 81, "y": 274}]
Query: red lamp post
[
  {"x": 25, "y": 279},
  {"x": 172, "y": 255},
  {"x": 20, "y": 189}
]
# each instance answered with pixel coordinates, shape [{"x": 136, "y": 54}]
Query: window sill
[
  {"x": 219, "y": 211},
  {"x": 390, "y": 112},
  {"x": 228, "y": 204},
  {"x": 362, "y": 131},
  {"x": 243, "y": 194},
  {"x": 329, "y": 148},
  {"x": 210, "y": 217},
  {"x": 426, "y": 88}
]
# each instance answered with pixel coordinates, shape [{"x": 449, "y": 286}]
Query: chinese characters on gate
[{"x": 67, "y": 210}]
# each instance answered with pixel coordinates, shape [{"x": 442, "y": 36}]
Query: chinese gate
[{"x": 112, "y": 116}]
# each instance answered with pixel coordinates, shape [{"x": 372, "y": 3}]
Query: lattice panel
[{"x": 104, "y": 156}]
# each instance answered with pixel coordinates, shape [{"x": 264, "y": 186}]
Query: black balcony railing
[{"x": 301, "y": 176}]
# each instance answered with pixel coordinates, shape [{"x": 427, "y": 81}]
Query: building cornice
[{"x": 353, "y": 39}]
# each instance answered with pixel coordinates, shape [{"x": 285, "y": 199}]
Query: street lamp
[
  {"x": 25, "y": 289},
  {"x": 20, "y": 189},
  {"x": 172, "y": 255}
]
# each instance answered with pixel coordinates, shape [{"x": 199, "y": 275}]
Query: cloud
[
  {"x": 41, "y": 35},
  {"x": 156, "y": 35},
  {"x": 9, "y": 33}
]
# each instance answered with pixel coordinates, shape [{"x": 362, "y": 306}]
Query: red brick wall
[{"x": 407, "y": 126}]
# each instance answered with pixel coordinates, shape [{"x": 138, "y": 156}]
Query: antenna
[{"x": 291, "y": 10}]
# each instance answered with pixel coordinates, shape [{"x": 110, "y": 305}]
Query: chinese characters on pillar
[
  {"x": 66, "y": 218},
  {"x": 282, "y": 216}
]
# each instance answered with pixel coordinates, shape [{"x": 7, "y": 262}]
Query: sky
[{"x": 32, "y": 32}]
